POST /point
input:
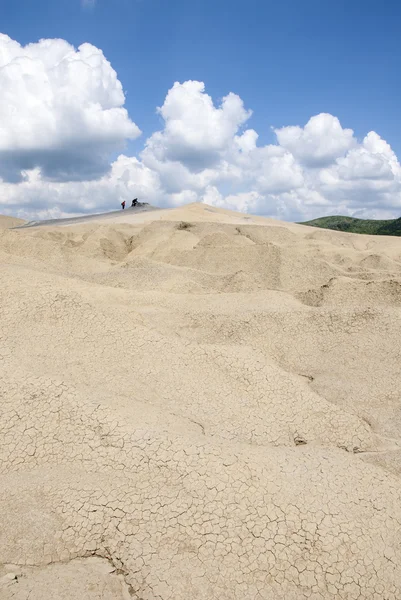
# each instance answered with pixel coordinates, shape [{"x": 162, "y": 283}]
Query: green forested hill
[{"x": 339, "y": 223}]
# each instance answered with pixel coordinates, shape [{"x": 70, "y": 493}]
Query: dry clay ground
[{"x": 199, "y": 411}]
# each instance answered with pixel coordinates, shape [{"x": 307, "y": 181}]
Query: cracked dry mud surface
[{"x": 206, "y": 412}]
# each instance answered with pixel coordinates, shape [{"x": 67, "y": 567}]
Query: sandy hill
[
  {"x": 8, "y": 222},
  {"x": 199, "y": 405}
]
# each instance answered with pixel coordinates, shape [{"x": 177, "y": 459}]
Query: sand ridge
[
  {"x": 204, "y": 400},
  {"x": 9, "y": 222}
]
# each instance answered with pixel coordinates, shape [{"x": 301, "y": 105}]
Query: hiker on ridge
[
  {"x": 123, "y": 204},
  {"x": 134, "y": 202}
]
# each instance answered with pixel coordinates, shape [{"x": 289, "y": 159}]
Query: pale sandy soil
[
  {"x": 7, "y": 222},
  {"x": 200, "y": 413}
]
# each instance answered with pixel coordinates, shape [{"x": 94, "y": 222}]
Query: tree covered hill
[{"x": 369, "y": 226}]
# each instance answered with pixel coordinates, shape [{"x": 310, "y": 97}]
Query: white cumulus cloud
[
  {"x": 61, "y": 111},
  {"x": 195, "y": 131},
  {"x": 320, "y": 142},
  {"x": 62, "y": 115}
]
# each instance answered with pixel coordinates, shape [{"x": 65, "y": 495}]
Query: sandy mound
[
  {"x": 199, "y": 405},
  {"x": 8, "y": 222}
]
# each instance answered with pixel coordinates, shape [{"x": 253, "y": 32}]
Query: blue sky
[{"x": 287, "y": 60}]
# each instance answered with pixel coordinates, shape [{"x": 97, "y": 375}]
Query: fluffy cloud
[
  {"x": 66, "y": 108},
  {"x": 35, "y": 197},
  {"x": 61, "y": 111},
  {"x": 320, "y": 142},
  {"x": 195, "y": 132}
]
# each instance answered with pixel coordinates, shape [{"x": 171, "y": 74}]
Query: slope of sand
[
  {"x": 8, "y": 222},
  {"x": 199, "y": 411}
]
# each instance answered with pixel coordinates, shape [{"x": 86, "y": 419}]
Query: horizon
[{"x": 87, "y": 217}]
